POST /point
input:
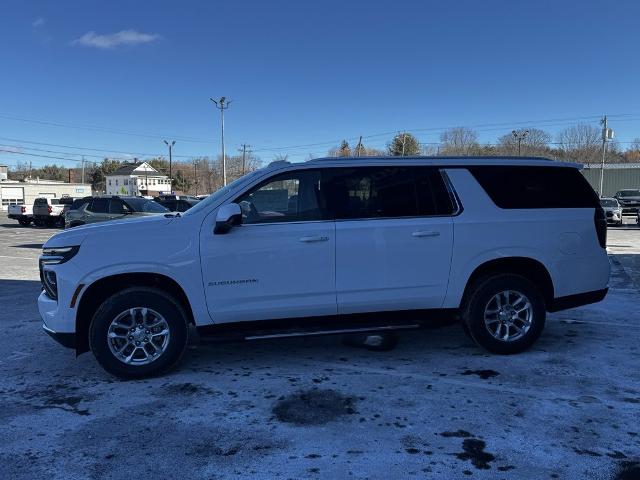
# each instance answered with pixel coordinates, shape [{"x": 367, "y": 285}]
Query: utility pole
[
  {"x": 607, "y": 134},
  {"x": 244, "y": 153},
  {"x": 170, "y": 145},
  {"x": 222, "y": 105},
  {"x": 83, "y": 169},
  {"x": 519, "y": 135},
  {"x": 195, "y": 174},
  {"x": 359, "y": 146}
]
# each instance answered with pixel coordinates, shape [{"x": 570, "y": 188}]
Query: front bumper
[{"x": 65, "y": 339}]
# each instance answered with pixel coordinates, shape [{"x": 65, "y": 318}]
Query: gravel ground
[{"x": 434, "y": 407}]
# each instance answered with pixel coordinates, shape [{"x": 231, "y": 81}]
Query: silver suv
[{"x": 102, "y": 209}]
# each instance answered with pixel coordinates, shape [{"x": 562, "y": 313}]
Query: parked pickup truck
[
  {"x": 22, "y": 213},
  {"x": 50, "y": 211}
]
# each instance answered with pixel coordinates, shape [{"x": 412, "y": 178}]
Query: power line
[
  {"x": 96, "y": 128},
  {"x": 42, "y": 156}
]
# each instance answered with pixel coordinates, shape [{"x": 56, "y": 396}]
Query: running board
[{"x": 331, "y": 332}]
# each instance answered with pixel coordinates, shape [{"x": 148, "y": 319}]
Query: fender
[{"x": 460, "y": 274}]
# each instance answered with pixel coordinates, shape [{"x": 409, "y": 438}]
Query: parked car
[
  {"x": 334, "y": 245},
  {"x": 612, "y": 210},
  {"x": 22, "y": 213},
  {"x": 629, "y": 199},
  {"x": 50, "y": 211},
  {"x": 101, "y": 209},
  {"x": 177, "y": 203}
]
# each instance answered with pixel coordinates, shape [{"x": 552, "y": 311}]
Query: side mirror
[{"x": 228, "y": 216}]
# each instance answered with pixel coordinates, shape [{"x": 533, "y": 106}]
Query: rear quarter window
[{"x": 521, "y": 187}]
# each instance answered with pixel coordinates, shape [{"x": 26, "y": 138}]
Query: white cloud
[
  {"x": 38, "y": 22},
  {"x": 113, "y": 40}
]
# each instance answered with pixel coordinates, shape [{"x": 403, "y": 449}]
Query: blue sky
[{"x": 302, "y": 72}]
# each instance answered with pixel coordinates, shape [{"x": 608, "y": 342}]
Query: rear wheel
[
  {"x": 138, "y": 332},
  {"x": 504, "y": 313}
]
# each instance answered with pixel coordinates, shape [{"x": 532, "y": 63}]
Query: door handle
[
  {"x": 315, "y": 238},
  {"x": 425, "y": 233}
]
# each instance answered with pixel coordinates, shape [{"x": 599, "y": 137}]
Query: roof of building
[
  {"x": 130, "y": 168},
  {"x": 611, "y": 166}
]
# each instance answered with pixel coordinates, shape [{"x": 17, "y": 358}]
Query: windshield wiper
[{"x": 172, "y": 215}]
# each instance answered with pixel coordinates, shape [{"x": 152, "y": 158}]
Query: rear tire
[
  {"x": 138, "y": 332},
  {"x": 504, "y": 313}
]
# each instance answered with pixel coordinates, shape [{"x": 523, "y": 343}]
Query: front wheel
[
  {"x": 504, "y": 313},
  {"x": 138, "y": 332}
]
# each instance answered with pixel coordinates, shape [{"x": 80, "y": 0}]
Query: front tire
[
  {"x": 138, "y": 332},
  {"x": 504, "y": 313}
]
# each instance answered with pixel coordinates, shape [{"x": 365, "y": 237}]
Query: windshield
[
  {"x": 629, "y": 193},
  {"x": 145, "y": 205},
  {"x": 214, "y": 197},
  {"x": 608, "y": 202}
]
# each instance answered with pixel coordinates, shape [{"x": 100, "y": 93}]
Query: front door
[
  {"x": 280, "y": 263},
  {"x": 394, "y": 237}
]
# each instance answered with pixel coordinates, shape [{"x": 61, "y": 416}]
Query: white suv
[{"x": 334, "y": 245}]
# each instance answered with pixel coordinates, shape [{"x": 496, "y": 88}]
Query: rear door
[{"x": 394, "y": 237}]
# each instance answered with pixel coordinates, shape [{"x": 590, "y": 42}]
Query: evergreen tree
[{"x": 404, "y": 144}]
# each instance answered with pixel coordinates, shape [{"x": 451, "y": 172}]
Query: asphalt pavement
[{"x": 436, "y": 406}]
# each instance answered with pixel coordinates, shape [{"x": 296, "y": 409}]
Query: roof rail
[{"x": 434, "y": 157}]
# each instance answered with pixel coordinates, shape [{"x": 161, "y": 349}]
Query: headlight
[
  {"x": 57, "y": 255},
  {"x": 53, "y": 256}
]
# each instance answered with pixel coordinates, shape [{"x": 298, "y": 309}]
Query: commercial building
[
  {"x": 617, "y": 176},
  {"x": 24, "y": 193},
  {"x": 137, "y": 179}
]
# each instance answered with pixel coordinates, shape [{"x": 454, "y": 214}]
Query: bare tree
[
  {"x": 535, "y": 142},
  {"x": 459, "y": 141},
  {"x": 580, "y": 142}
]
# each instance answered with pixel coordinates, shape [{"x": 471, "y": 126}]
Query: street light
[
  {"x": 519, "y": 135},
  {"x": 170, "y": 145},
  {"x": 222, "y": 105}
]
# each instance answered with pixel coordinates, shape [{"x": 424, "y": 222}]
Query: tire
[
  {"x": 482, "y": 297},
  {"x": 112, "y": 317},
  {"x": 50, "y": 223},
  {"x": 25, "y": 222},
  {"x": 38, "y": 223}
]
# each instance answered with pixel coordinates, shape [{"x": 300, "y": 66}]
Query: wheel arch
[
  {"x": 98, "y": 291},
  {"x": 527, "y": 267}
]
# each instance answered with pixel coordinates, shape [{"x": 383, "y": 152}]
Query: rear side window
[
  {"x": 99, "y": 205},
  {"x": 514, "y": 187},
  {"x": 385, "y": 192}
]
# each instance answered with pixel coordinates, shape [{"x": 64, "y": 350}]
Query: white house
[{"x": 137, "y": 179}]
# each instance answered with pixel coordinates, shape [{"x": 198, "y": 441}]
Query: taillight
[
  {"x": 49, "y": 208},
  {"x": 23, "y": 209},
  {"x": 600, "y": 221}
]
